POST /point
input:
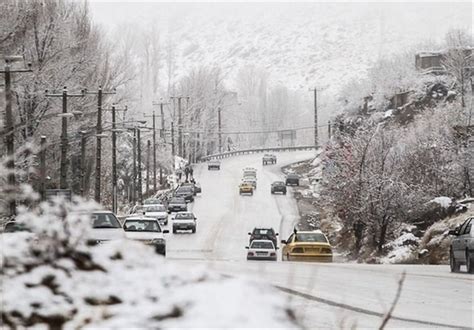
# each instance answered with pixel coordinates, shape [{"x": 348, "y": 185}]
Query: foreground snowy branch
[{"x": 51, "y": 277}]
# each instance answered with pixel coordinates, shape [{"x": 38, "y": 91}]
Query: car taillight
[
  {"x": 250, "y": 254},
  {"x": 297, "y": 250}
]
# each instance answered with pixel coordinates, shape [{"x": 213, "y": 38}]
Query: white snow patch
[
  {"x": 444, "y": 202},
  {"x": 401, "y": 249}
]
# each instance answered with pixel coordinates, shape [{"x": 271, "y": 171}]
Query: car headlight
[
  {"x": 297, "y": 250},
  {"x": 326, "y": 250}
]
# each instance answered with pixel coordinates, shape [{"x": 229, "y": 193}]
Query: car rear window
[
  {"x": 104, "y": 220},
  {"x": 311, "y": 237},
  {"x": 261, "y": 245}
]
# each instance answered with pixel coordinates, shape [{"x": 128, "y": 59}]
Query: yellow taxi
[
  {"x": 307, "y": 246},
  {"x": 246, "y": 188}
]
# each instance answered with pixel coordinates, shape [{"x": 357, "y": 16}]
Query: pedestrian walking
[
  {"x": 179, "y": 172},
  {"x": 191, "y": 172},
  {"x": 186, "y": 172}
]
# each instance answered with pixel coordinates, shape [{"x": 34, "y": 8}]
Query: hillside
[{"x": 312, "y": 44}]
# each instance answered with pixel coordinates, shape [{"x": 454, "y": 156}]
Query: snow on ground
[
  {"x": 401, "y": 249},
  {"x": 52, "y": 278},
  {"x": 444, "y": 202}
]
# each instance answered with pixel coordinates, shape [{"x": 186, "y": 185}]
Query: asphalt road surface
[{"x": 323, "y": 295}]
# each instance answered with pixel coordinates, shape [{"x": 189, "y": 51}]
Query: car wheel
[
  {"x": 194, "y": 230},
  {"x": 174, "y": 231},
  {"x": 271, "y": 192},
  {"x": 469, "y": 263},
  {"x": 454, "y": 265}
]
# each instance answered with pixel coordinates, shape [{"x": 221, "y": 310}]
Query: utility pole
[
  {"x": 114, "y": 130},
  {"x": 148, "y": 147},
  {"x": 219, "y": 123},
  {"x": 10, "y": 128},
  {"x": 99, "y": 136},
  {"x": 172, "y": 141},
  {"x": 64, "y": 138},
  {"x": 316, "y": 142},
  {"x": 83, "y": 162},
  {"x": 154, "y": 142},
  {"x": 134, "y": 181},
  {"x": 180, "y": 124},
  {"x": 42, "y": 156},
  {"x": 139, "y": 166}
]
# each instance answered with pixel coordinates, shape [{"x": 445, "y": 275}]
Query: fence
[{"x": 253, "y": 151}]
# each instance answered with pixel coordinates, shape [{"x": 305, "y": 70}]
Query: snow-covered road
[{"x": 325, "y": 295}]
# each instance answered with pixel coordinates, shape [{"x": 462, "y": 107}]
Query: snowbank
[
  {"x": 444, "y": 202},
  {"x": 401, "y": 249},
  {"x": 53, "y": 279}
]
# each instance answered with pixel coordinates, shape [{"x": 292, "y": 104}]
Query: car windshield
[
  {"x": 12, "y": 227},
  {"x": 279, "y": 183},
  {"x": 184, "y": 190},
  {"x": 155, "y": 208},
  {"x": 142, "y": 225},
  {"x": 152, "y": 201},
  {"x": 104, "y": 220},
  {"x": 263, "y": 231},
  {"x": 311, "y": 237},
  {"x": 177, "y": 201},
  {"x": 261, "y": 245},
  {"x": 184, "y": 216}
]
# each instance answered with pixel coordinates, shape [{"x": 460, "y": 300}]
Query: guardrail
[{"x": 253, "y": 151}]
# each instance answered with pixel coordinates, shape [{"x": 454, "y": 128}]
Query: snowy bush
[{"x": 52, "y": 278}]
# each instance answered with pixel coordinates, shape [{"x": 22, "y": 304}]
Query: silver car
[{"x": 462, "y": 247}]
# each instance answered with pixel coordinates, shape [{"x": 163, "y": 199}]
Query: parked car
[
  {"x": 462, "y": 247},
  {"x": 105, "y": 227},
  {"x": 177, "y": 204},
  {"x": 307, "y": 246},
  {"x": 246, "y": 188},
  {"x": 269, "y": 159},
  {"x": 264, "y": 233},
  {"x": 278, "y": 186},
  {"x": 146, "y": 230},
  {"x": 292, "y": 179},
  {"x": 185, "y": 192},
  {"x": 261, "y": 250},
  {"x": 197, "y": 188},
  {"x": 184, "y": 221},
  {"x": 152, "y": 201},
  {"x": 14, "y": 227},
  {"x": 157, "y": 211},
  {"x": 137, "y": 209},
  {"x": 191, "y": 185},
  {"x": 214, "y": 165}
]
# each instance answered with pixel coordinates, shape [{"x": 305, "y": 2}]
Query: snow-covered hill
[{"x": 301, "y": 45}]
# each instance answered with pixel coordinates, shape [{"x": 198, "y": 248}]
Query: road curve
[{"x": 324, "y": 295}]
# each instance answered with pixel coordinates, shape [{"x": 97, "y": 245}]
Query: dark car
[
  {"x": 13, "y": 227},
  {"x": 462, "y": 247},
  {"x": 269, "y": 159},
  {"x": 185, "y": 192},
  {"x": 184, "y": 221},
  {"x": 194, "y": 186},
  {"x": 264, "y": 234},
  {"x": 177, "y": 204},
  {"x": 292, "y": 179},
  {"x": 278, "y": 186},
  {"x": 214, "y": 165}
]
